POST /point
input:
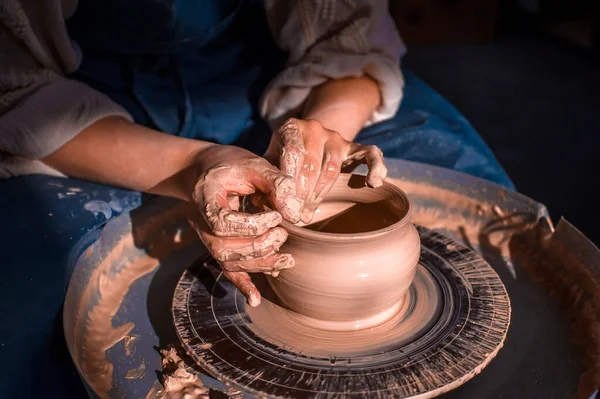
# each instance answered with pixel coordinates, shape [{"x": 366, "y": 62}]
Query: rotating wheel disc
[{"x": 464, "y": 328}]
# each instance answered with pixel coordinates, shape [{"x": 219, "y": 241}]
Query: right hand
[{"x": 243, "y": 243}]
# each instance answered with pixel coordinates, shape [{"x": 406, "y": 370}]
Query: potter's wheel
[
  {"x": 452, "y": 323},
  {"x": 118, "y": 310}
]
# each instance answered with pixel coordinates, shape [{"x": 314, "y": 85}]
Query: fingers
[
  {"x": 292, "y": 148},
  {"x": 225, "y": 222},
  {"x": 239, "y": 256},
  {"x": 330, "y": 170},
  {"x": 280, "y": 188},
  {"x": 235, "y": 249},
  {"x": 237, "y": 272},
  {"x": 310, "y": 170},
  {"x": 373, "y": 157},
  {"x": 274, "y": 262},
  {"x": 333, "y": 161},
  {"x": 216, "y": 189},
  {"x": 244, "y": 283},
  {"x": 213, "y": 194}
]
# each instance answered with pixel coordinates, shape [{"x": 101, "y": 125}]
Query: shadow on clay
[{"x": 267, "y": 293}]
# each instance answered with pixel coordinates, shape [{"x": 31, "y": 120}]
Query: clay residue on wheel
[
  {"x": 109, "y": 290},
  {"x": 177, "y": 381},
  {"x": 557, "y": 260},
  {"x": 106, "y": 289},
  {"x": 526, "y": 238},
  {"x": 469, "y": 218}
]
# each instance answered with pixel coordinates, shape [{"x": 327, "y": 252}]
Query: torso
[{"x": 194, "y": 68}]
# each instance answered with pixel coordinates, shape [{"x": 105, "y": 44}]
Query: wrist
[
  {"x": 343, "y": 105},
  {"x": 342, "y": 117}
]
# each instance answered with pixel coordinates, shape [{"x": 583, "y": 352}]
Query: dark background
[{"x": 526, "y": 74}]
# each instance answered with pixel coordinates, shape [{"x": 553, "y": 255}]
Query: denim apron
[{"x": 196, "y": 68}]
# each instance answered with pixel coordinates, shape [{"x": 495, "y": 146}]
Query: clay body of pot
[{"x": 355, "y": 261}]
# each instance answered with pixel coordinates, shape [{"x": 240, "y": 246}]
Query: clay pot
[{"x": 355, "y": 261}]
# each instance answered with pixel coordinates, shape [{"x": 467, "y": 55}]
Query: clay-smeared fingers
[
  {"x": 244, "y": 283},
  {"x": 309, "y": 173},
  {"x": 225, "y": 222},
  {"x": 215, "y": 190},
  {"x": 233, "y": 249},
  {"x": 330, "y": 170},
  {"x": 267, "y": 264},
  {"x": 373, "y": 157},
  {"x": 280, "y": 188},
  {"x": 239, "y": 256},
  {"x": 213, "y": 197},
  {"x": 292, "y": 148}
]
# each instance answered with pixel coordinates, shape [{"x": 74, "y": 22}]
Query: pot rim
[{"x": 301, "y": 232}]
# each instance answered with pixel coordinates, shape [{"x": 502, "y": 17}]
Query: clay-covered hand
[
  {"x": 243, "y": 243},
  {"x": 314, "y": 157}
]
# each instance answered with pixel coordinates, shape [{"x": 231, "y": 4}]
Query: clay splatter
[
  {"x": 136, "y": 373},
  {"x": 130, "y": 343}
]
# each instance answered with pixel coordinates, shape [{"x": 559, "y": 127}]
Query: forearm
[
  {"x": 343, "y": 105},
  {"x": 116, "y": 152}
]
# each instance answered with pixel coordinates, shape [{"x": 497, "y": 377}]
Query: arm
[
  {"x": 343, "y": 105},
  {"x": 343, "y": 73},
  {"x": 40, "y": 109},
  {"x": 51, "y": 124},
  {"x": 117, "y": 152},
  {"x": 343, "y": 41},
  {"x": 211, "y": 177}
]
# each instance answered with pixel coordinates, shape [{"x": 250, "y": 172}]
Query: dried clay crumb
[
  {"x": 177, "y": 382},
  {"x": 569, "y": 282}
]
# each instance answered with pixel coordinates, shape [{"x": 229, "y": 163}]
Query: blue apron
[{"x": 193, "y": 68}]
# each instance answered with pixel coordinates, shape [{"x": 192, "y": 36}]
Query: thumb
[{"x": 280, "y": 188}]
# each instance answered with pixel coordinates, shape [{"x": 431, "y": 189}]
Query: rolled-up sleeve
[
  {"x": 330, "y": 39},
  {"x": 40, "y": 108}
]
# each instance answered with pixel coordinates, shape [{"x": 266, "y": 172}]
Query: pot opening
[
  {"x": 351, "y": 209},
  {"x": 346, "y": 217}
]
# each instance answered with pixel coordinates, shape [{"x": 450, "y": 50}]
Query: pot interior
[{"x": 351, "y": 207}]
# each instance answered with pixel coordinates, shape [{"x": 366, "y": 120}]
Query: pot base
[
  {"x": 324, "y": 325},
  {"x": 452, "y": 324},
  {"x": 404, "y": 322}
]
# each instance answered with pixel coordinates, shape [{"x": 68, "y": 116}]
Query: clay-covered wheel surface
[{"x": 452, "y": 338}]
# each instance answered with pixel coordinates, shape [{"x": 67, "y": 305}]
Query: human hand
[
  {"x": 314, "y": 157},
  {"x": 243, "y": 243}
]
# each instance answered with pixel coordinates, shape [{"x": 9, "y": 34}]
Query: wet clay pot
[{"x": 355, "y": 261}]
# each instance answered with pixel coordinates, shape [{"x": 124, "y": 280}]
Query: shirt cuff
[{"x": 286, "y": 94}]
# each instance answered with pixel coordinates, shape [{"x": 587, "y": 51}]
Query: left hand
[{"x": 314, "y": 157}]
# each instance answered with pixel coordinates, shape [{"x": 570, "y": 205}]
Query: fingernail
[
  {"x": 283, "y": 261},
  {"x": 274, "y": 273},
  {"x": 253, "y": 299},
  {"x": 375, "y": 181},
  {"x": 307, "y": 215}
]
